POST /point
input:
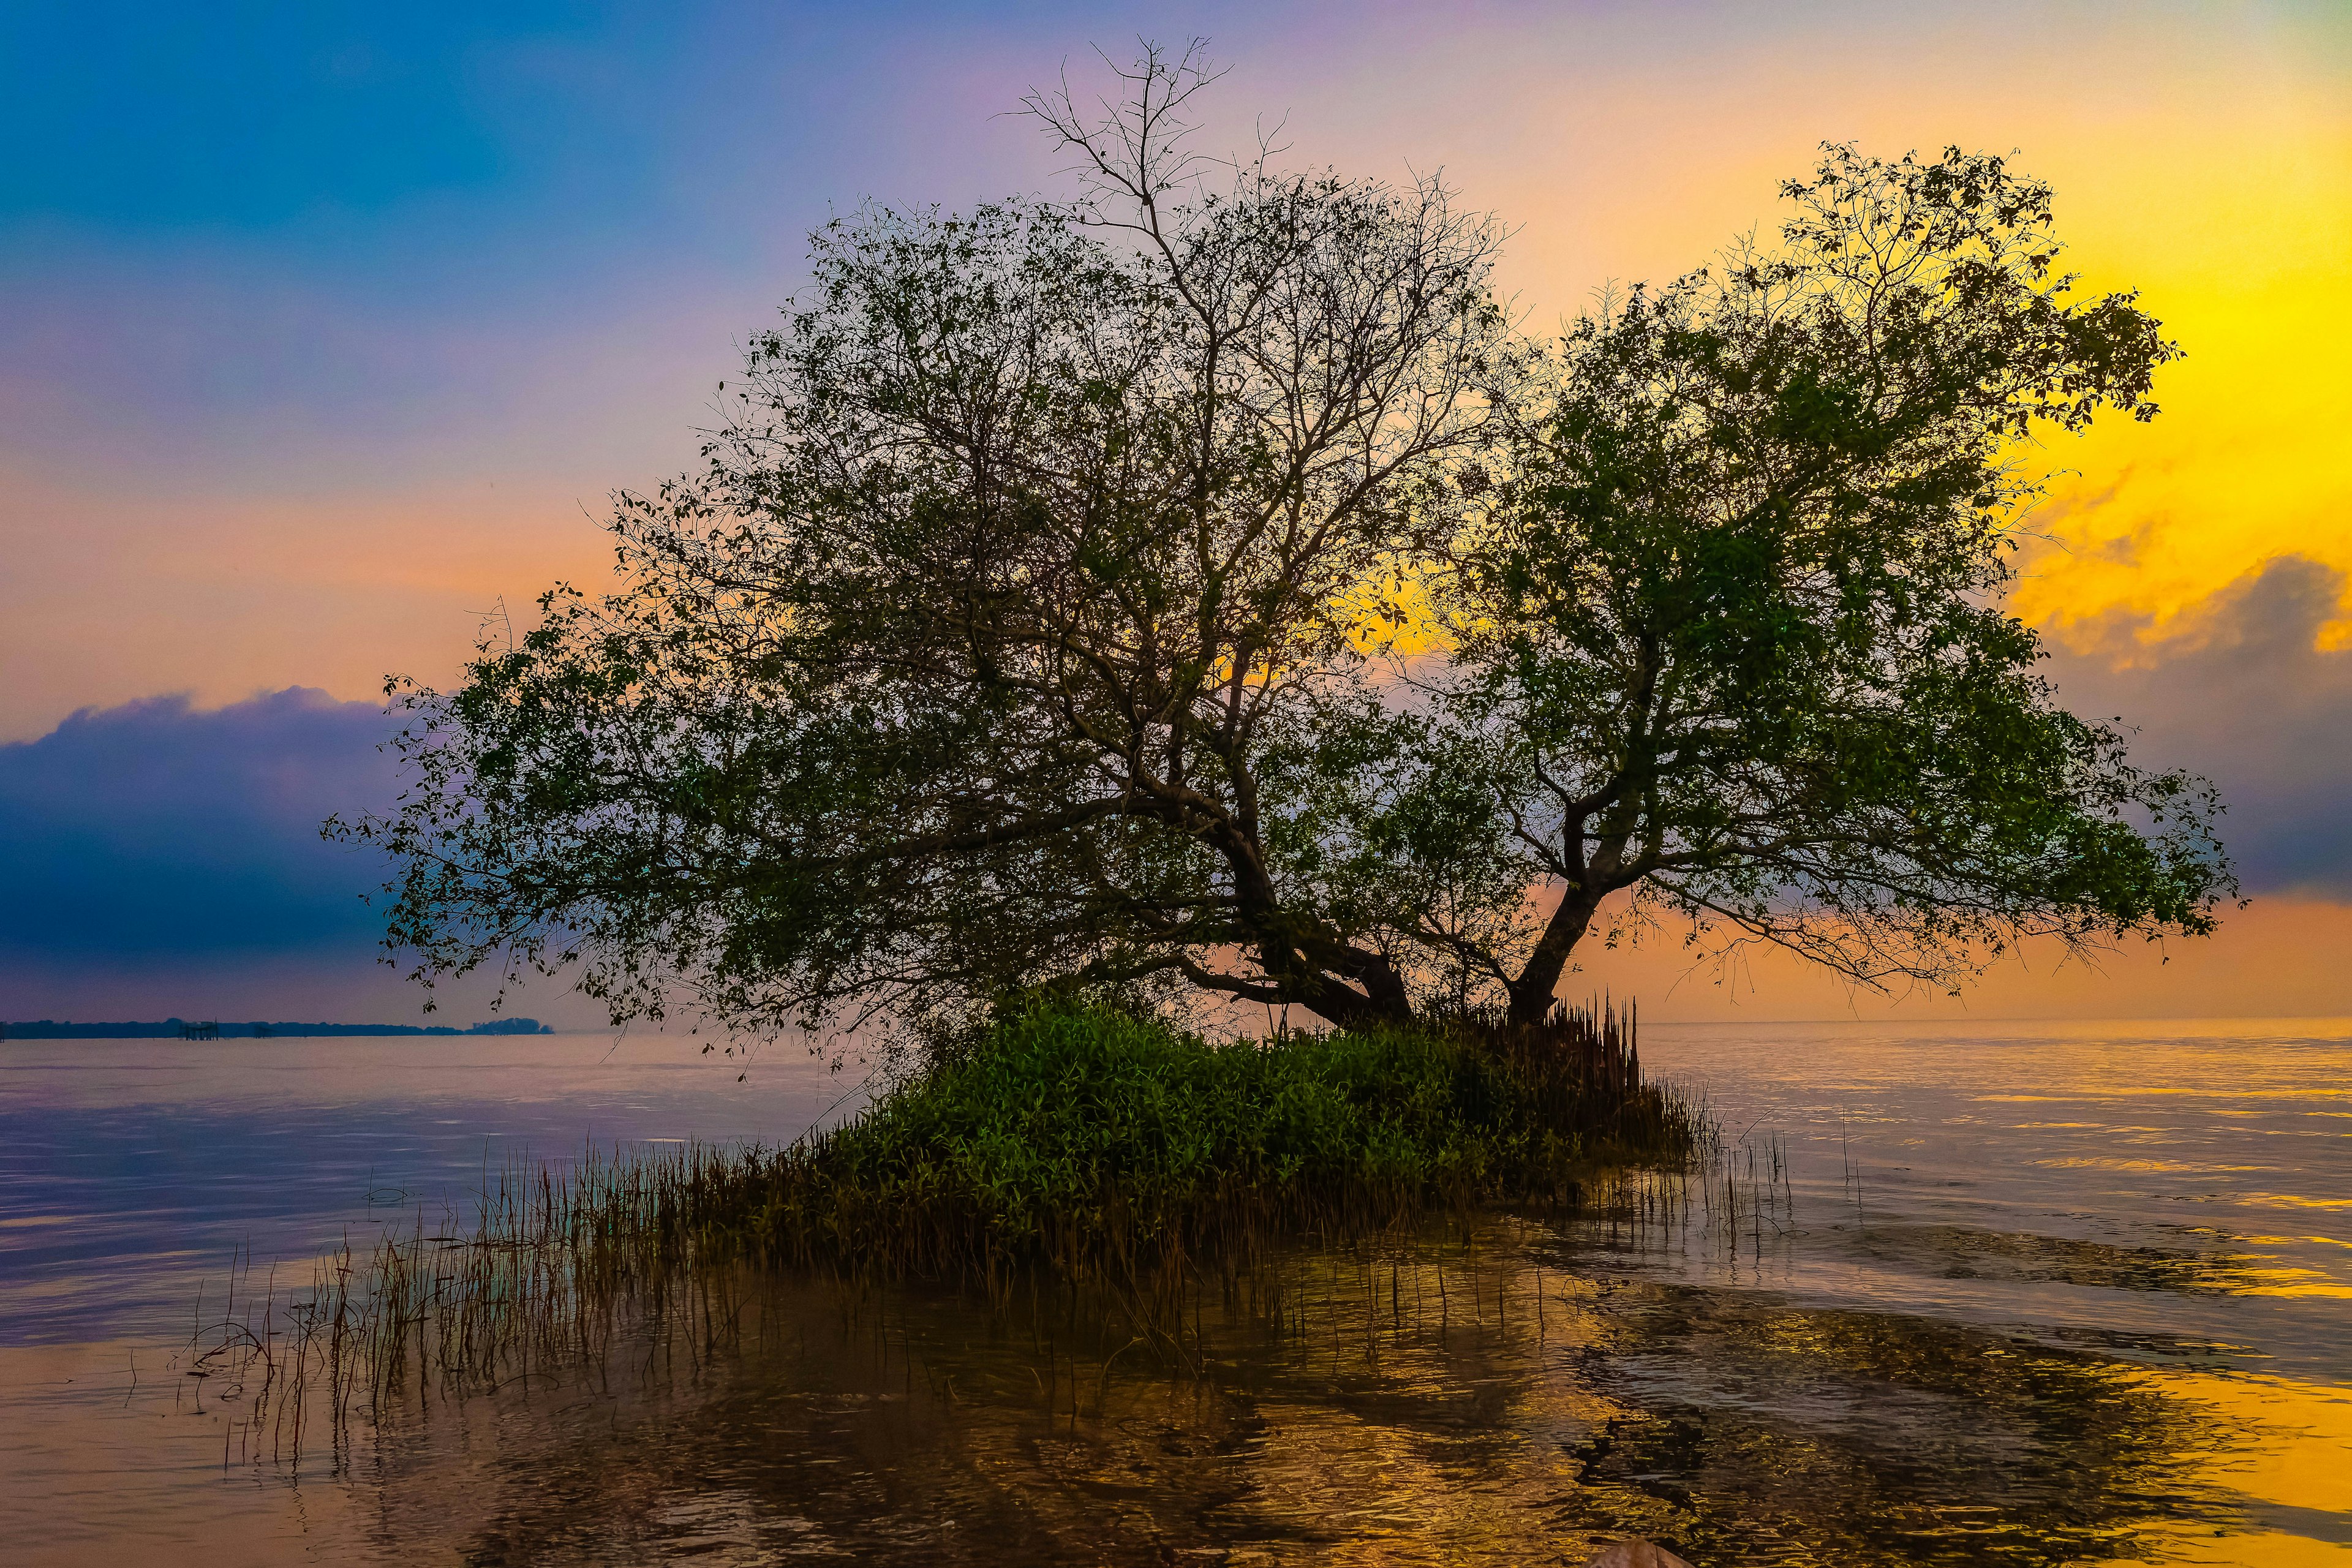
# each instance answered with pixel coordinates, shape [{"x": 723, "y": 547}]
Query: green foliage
[
  {"x": 1730, "y": 635},
  {"x": 1092, "y": 1138}
]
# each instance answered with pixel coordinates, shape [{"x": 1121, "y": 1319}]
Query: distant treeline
[{"x": 172, "y": 1028}]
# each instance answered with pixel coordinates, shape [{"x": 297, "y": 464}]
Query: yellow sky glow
[{"x": 2244, "y": 250}]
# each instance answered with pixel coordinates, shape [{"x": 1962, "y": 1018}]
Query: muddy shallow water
[{"x": 2021, "y": 1294}]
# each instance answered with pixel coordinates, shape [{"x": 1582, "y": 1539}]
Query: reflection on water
[{"x": 1990, "y": 1297}]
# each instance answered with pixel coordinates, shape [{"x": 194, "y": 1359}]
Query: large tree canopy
[{"x": 1015, "y": 631}]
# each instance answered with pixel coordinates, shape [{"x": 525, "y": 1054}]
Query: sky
[{"x": 326, "y": 333}]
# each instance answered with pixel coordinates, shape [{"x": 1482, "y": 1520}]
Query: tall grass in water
[
  {"x": 1088, "y": 1148},
  {"x": 537, "y": 1281}
]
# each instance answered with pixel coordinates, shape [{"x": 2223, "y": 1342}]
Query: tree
[
  {"x": 1014, "y": 633},
  {"x": 1010, "y": 634},
  {"x": 1730, "y": 637}
]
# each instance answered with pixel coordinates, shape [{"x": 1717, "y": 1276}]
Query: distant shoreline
[{"x": 174, "y": 1029}]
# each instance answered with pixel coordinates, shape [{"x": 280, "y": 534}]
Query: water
[
  {"x": 1993, "y": 1294},
  {"x": 129, "y": 1169}
]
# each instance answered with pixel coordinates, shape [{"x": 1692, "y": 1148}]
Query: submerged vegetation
[
  {"x": 1063, "y": 1148},
  {"x": 1313, "y": 1292},
  {"x": 576, "y": 1364}
]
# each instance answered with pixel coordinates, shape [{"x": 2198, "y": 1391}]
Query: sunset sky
[{"x": 325, "y": 330}]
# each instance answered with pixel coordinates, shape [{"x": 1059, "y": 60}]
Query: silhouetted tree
[{"x": 1013, "y": 634}]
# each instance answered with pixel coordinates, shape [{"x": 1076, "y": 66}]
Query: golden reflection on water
[
  {"x": 2294, "y": 1463},
  {"x": 1458, "y": 1397},
  {"x": 1474, "y": 1405}
]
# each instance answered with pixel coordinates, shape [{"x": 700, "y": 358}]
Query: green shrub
[{"x": 1099, "y": 1143}]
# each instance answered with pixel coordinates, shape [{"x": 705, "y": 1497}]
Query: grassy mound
[
  {"x": 1147, "y": 1165},
  {"x": 1107, "y": 1145}
]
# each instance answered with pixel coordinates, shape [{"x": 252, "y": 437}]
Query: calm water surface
[{"x": 2006, "y": 1293}]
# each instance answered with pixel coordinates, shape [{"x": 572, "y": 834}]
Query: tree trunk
[
  {"x": 1383, "y": 1000},
  {"x": 1532, "y": 992}
]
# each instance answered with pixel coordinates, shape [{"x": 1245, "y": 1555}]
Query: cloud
[
  {"x": 155, "y": 828},
  {"x": 2242, "y": 691}
]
